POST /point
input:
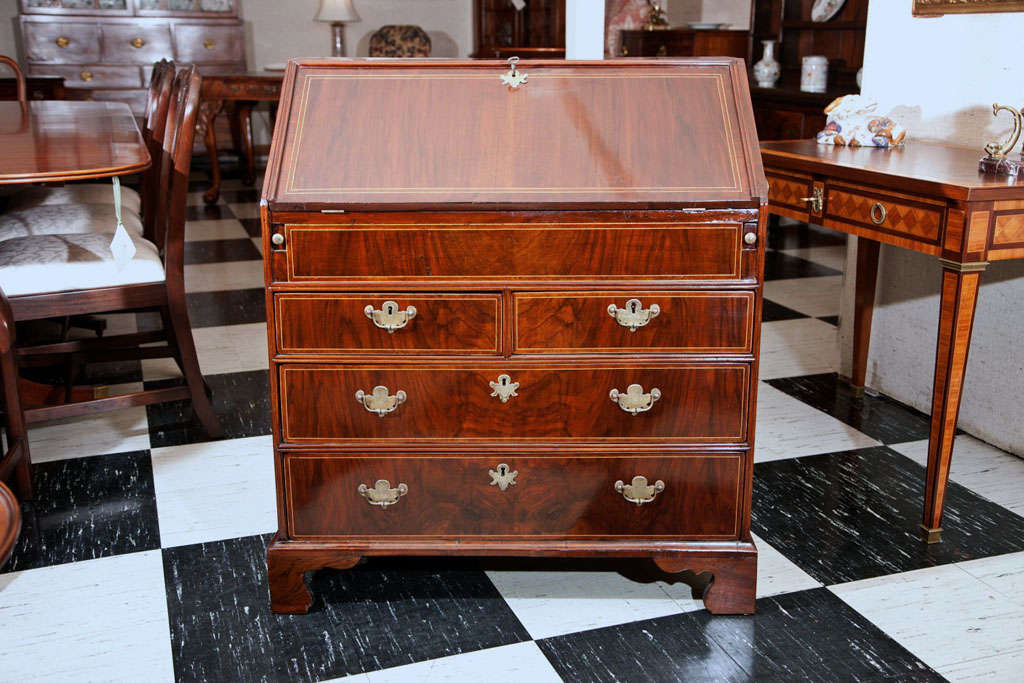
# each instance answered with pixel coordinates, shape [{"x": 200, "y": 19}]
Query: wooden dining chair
[
  {"x": 15, "y": 462},
  {"x": 10, "y": 523},
  {"x": 19, "y": 78},
  {"x": 46, "y": 276}
]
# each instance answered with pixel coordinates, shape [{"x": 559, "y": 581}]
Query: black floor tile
[
  {"x": 854, "y": 515},
  {"x": 802, "y": 235},
  {"x": 240, "y": 399},
  {"x": 220, "y": 251},
  {"x": 227, "y": 307},
  {"x": 780, "y": 266},
  {"x": 880, "y": 417},
  {"x": 252, "y": 226},
  {"x": 806, "y": 636},
  {"x": 380, "y": 614},
  {"x": 248, "y": 195},
  {"x": 86, "y": 508},
  {"x": 773, "y": 311},
  {"x": 830, "y": 319},
  {"x": 208, "y": 213}
]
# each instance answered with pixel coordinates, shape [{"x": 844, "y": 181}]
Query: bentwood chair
[
  {"x": 46, "y": 276},
  {"x": 19, "y": 78}
]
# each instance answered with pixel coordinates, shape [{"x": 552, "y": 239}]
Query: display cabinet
[{"x": 501, "y": 30}]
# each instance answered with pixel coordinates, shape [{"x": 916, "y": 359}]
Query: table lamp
[{"x": 337, "y": 12}]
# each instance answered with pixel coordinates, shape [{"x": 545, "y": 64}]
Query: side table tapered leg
[
  {"x": 960, "y": 282},
  {"x": 208, "y": 111},
  {"x": 863, "y": 309}
]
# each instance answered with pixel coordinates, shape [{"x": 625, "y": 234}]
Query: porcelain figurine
[
  {"x": 768, "y": 70},
  {"x": 853, "y": 122}
]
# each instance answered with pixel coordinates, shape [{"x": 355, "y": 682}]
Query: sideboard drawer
[
  {"x": 61, "y": 43},
  {"x": 558, "y": 402},
  {"x": 884, "y": 212},
  {"x": 538, "y": 251},
  {"x": 205, "y": 44},
  {"x": 396, "y": 323},
  {"x": 568, "y": 496},
  {"x": 136, "y": 44},
  {"x": 637, "y": 321},
  {"x": 98, "y": 76}
]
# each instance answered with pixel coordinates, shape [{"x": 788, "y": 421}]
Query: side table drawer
[
  {"x": 97, "y": 76},
  {"x": 310, "y": 323},
  {"x": 570, "y": 496},
  {"x": 560, "y": 402},
  {"x": 203, "y": 44},
  {"x": 791, "y": 192},
  {"x": 902, "y": 216},
  {"x": 61, "y": 43},
  {"x": 636, "y": 321},
  {"x": 139, "y": 44}
]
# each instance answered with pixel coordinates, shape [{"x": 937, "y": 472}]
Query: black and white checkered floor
[{"x": 142, "y": 559}]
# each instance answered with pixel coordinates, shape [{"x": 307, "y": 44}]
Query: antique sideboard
[
  {"x": 518, "y": 315},
  {"x": 105, "y": 49}
]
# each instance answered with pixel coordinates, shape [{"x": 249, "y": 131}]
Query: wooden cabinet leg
[
  {"x": 863, "y": 308},
  {"x": 208, "y": 112},
  {"x": 960, "y": 284},
  {"x": 733, "y": 588},
  {"x": 287, "y": 566},
  {"x": 243, "y": 112}
]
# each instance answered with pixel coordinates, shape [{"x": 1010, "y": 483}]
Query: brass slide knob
[
  {"x": 209, "y": 43},
  {"x": 138, "y": 43},
  {"x": 63, "y": 42}
]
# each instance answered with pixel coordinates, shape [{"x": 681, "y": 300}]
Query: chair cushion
[
  {"x": 41, "y": 264},
  {"x": 85, "y": 193},
  {"x": 65, "y": 219},
  {"x": 400, "y": 41}
]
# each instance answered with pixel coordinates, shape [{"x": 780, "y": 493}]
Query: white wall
[
  {"x": 736, "y": 13},
  {"x": 942, "y": 75},
  {"x": 8, "y": 15}
]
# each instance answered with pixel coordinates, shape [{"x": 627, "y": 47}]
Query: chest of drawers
[{"x": 514, "y": 311}]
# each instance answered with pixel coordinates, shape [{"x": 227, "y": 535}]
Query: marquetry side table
[{"x": 926, "y": 197}]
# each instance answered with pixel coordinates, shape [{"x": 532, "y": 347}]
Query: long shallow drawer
[
  {"x": 136, "y": 44},
  {"x": 61, "y": 43},
  {"x": 573, "y": 496},
  {"x": 199, "y": 44},
  {"x": 565, "y": 252},
  {"x": 883, "y": 212},
  {"x": 697, "y": 403},
  {"x": 679, "y": 322},
  {"x": 98, "y": 76},
  {"x": 388, "y": 323},
  {"x": 791, "y": 192}
]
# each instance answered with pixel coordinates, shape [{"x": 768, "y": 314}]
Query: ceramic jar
[
  {"x": 814, "y": 74},
  {"x": 768, "y": 70}
]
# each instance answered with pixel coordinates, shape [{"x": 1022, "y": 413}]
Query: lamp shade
[{"x": 337, "y": 11}]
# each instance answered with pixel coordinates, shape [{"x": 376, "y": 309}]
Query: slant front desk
[{"x": 514, "y": 311}]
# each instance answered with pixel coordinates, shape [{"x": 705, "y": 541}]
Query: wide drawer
[
  {"x": 199, "y": 44},
  {"x": 396, "y": 323},
  {"x": 97, "y": 76},
  {"x": 61, "y": 43},
  {"x": 680, "y": 322},
  {"x": 136, "y": 44},
  {"x": 573, "y": 496},
  {"x": 556, "y": 402},
  {"x": 896, "y": 215},
  {"x": 529, "y": 251}
]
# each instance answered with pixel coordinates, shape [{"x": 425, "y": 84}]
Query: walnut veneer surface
[{"x": 514, "y": 320}]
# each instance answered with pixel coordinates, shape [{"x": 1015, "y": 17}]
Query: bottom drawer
[{"x": 566, "y": 497}]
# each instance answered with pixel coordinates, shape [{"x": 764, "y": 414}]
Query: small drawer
[
  {"x": 97, "y": 76},
  {"x": 134, "y": 44},
  {"x": 569, "y": 497},
  {"x": 199, "y": 44},
  {"x": 896, "y": 215},
  {"x": 791, "y": 192},
  {"x": 635, "y": 321},
  {"x": 311, "y": 323},
  {"x": 61, "y": 43},
  {"x": 510, "y": 401}
]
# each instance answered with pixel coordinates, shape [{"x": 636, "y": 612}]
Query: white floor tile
[
  {"x": 220, "y": 229},
  {"x": 98, "y": 620},
  {"x": 1004, "y": 573},
  {"x": 245, "y": 210},
  {"x": 831, "y": 256},
  {"x": 228, "y": 348},
  {"x": 258, "y": 241},
  {"x": 1005, "y": 667},
  {"x": 814, "y": 296},
  {"x": 804, "y": 346},
  {"x": 555, "y": 603},
  {"x": 215, "y": 490},
  {"x": 944, "y": 615},
  {"x": 789, "y": 428},
  {"x": 507, "y": 664},
  {"x": 214, "y": 277},
  {"x": 117, "y": 431},
  {"x": 986, "y": 470}
]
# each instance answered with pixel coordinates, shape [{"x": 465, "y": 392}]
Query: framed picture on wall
[{"x": 926, "y": 8}]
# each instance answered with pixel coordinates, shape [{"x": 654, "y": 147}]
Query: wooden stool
[{"x": 10, "y": 523}]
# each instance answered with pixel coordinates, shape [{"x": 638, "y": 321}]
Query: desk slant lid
[{"x": 369, "y": 134}]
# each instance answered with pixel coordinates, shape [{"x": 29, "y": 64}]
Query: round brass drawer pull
[
  {"x": 379, "y": 401},
  {"x": 86, "y": 76},
  {"x": 138, "y": 43},
  {"x": 63, "y": 42},
  {"x": 389, "y": 317},
  {"x": 634, "y": 315},
  {"x": 209, "y": 43},
  {"x": 750, "y": 238},
  {"x": 277, "y": 239},
  {"x": 639, "y": 491},
  {"x": 382, "y": 495},
  {"x": 634, "y": 400},
  {"x": 878, "y": 213}
]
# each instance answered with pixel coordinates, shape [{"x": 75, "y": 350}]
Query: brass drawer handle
[
  {"x": 816, "y": 200},
  {"x": 379, "y": 401},
  {"x": 878, "y": 213},
  {"x": 138, "y": 43},
  {"x": 86, "y": 76},
  {"x": 639, "y": 491},
  {"x": 635, "y": 401},
  {"x": 504, "y": 388},
  {"x": 63, "y": 42},
  {"x": 209, "y": 43},
  {"x": 389, "y": 317},
  {"x": 382, "y": 495},
  {"x": 503, "y": 476},
  {"x": 634, "y": 315}
]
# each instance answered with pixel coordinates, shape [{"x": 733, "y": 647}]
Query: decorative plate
[{"x": 823, "y": 10}]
